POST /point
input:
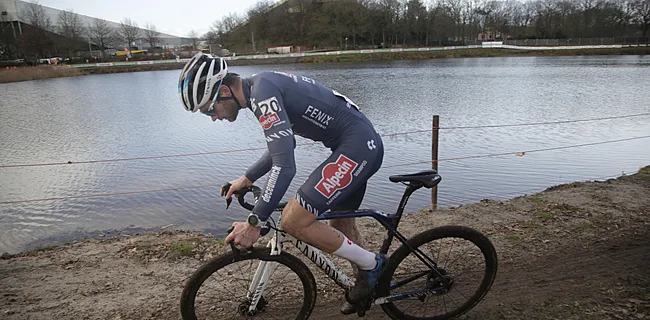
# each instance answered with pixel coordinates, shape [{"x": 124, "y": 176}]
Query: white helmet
[{"x": 200, "y": 80}]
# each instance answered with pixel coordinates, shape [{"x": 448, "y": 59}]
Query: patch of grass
[
  {"x": 537, "y": 199},
  {"x": 43, "y": 249},
  {"x": 216, "y": 241},
  {"x": 644, "y": 173},
  {"x": 512, "y": 237},
  {"x": 545, "y": 216},
  {"x": 582, "y": 226},
  {"x": 563, "y": 208},
  {"x": 181, "y": 248}
]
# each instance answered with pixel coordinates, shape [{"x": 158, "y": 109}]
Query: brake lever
[
  {"x": 235, "y": 251},
  {"x": 224, "y": 191}
]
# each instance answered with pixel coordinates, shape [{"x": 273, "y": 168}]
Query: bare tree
[
  {"x": 225, "y": 27},
  {"x": 36, "y": 17},
  {"x": 194, "y": 38},
  {"x": 129, "y": 32},
  {"x": 36, "y": 40},
  {"x": 641, "y": 14},
  {"x": 69, "y": 25},
  {"x": 151, "y": 35},
  {"x": 101, "y": 34}
]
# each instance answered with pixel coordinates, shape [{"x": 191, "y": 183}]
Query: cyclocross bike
[{"x": 440, "y": 273}]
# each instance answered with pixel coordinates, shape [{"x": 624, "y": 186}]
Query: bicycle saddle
[{"x": 428, "y": 178}]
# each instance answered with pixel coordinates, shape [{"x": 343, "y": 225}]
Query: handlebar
[{"x": 240, "y": 194}]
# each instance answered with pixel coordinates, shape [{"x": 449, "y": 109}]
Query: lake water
[{"x": 133, "y": 115}]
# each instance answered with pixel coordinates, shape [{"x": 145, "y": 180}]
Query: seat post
[{"x": 410, "y": 188}]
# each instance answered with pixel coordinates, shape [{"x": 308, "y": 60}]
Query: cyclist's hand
[
  {"x": 237, "y": 184},
  {"x": 244, "y": 235}
]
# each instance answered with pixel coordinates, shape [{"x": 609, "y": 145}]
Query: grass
[
  {"x": 43, "y": 249},
  {"x": 182, "y": 248}
]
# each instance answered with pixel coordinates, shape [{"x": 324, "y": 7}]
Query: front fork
[{"x": 265, "y": 270}]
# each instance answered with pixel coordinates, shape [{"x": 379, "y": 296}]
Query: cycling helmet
[{"x": 200, "y": 80}]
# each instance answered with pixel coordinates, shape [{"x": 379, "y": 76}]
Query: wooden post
[{"x": 434, "y": 158}]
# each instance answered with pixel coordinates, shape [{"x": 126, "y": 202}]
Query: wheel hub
[{"x": 245, "y": 305}]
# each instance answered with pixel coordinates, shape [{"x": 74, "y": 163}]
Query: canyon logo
[{"x": 336, "y": 176}]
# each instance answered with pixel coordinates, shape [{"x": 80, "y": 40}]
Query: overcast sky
[{"x": 173, "y": 17}]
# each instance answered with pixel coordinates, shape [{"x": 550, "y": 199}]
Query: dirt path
[{"x": 576, "y": 251}]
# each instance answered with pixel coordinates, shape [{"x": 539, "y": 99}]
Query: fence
[
  {"x": 434, "y": 159},
  {"x": 568, "y": 42}
]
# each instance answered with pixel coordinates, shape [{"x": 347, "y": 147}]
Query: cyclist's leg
[
  {"x": 349, "y": 166},
  {"x": 348, "y": 226}
]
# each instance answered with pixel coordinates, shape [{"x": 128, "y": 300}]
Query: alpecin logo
[
  {"x": 267, "y": 121},
  {"x": 336, "y": 176}
]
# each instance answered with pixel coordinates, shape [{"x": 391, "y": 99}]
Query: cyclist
[{"x": 287, "y": 105}]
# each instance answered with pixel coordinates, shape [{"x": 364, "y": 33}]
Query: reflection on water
[{"x": 138, "y": 115}]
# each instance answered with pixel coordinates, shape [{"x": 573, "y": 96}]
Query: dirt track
[{"x": 576, "y": 251}]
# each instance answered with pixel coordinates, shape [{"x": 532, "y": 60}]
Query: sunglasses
[{"x": 212, "y": 111}]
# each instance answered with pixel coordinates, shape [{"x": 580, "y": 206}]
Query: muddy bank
[
  {"x": 43, "y": 72},
  {"x": 574, "y": 251},
  {"x": 40, "y": 72}
]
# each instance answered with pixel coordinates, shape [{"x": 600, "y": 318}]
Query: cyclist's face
[{"x": 224, "y": 108}]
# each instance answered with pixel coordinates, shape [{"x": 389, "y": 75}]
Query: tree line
[
  {"x": 339, "y": 23},
  {"x": 40, "y": 37}
]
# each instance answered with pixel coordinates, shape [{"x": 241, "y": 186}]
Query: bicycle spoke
[{"x": 461, "y": 267}]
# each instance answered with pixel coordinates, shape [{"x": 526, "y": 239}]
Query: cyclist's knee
[{"x": 295, "y": 218}]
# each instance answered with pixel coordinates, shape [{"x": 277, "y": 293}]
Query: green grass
[
  {"x": 43, "y": 249},
  {"x": 181, "y": 249},
  {"x": 545, "y": 216}
]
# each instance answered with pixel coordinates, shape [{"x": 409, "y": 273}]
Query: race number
[{"x": 269, "y": 106}]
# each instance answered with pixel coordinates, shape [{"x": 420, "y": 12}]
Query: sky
[{"x": 172, "y": 17}]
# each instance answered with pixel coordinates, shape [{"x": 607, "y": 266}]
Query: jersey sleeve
[{"x": 268, "y": 107}]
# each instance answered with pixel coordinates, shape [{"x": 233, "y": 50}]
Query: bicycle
[{"x": 435, "y": 279}]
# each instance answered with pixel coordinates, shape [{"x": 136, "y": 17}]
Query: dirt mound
[{"x": 574, "y": 251}]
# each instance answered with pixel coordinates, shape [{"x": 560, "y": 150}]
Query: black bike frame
[{"x": 389, "y": 221}]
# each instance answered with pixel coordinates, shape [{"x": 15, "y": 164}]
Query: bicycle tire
[
  {"x": 444, "y": 232},
  {"x": 193, "y": 284}
]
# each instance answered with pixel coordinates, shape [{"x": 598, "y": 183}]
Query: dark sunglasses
[{"x": 212, "y": 111}]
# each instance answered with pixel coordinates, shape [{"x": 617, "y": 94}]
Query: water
[{"x": 139, "y": 115}]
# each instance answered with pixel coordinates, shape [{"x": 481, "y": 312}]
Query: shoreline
[
  {"x": 47, "y": 72},
  {"x": 575, "y": 250}
]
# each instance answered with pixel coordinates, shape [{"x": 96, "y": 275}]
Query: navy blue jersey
[{"x": 287, "y": 105}]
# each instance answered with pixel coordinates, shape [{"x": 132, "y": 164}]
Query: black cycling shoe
[{"x": 360, "y": 296}]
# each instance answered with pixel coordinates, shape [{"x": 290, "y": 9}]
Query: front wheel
[
  {"x": 220, "y": 288},
  {"x": 466, "y": 268}
]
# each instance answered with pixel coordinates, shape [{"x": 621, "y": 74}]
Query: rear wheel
[
  {"x": 466, "y": 268},
  {"x": 219, "y": 289}
]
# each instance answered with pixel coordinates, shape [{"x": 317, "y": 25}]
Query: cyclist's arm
[
  {"x": 262, "y": 166},
  {"x": 268, "y": 107}
]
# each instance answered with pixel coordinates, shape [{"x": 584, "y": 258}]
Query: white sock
[{"x": 363, "y": 258}]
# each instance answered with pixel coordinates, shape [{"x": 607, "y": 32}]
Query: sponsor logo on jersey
[
  {"x": 317, "y": 117},
  {"x": 306, "y": 205},
  {"x": 295, "y": 79},
  {"x": 336, "y": 176},
  {"x": 280, "y": 134},
  {"x": 270, "y": 185},
  {"x": 267, "y": 121}
]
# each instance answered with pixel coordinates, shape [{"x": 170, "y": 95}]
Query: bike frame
[{"x": 266, "y": 269}]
